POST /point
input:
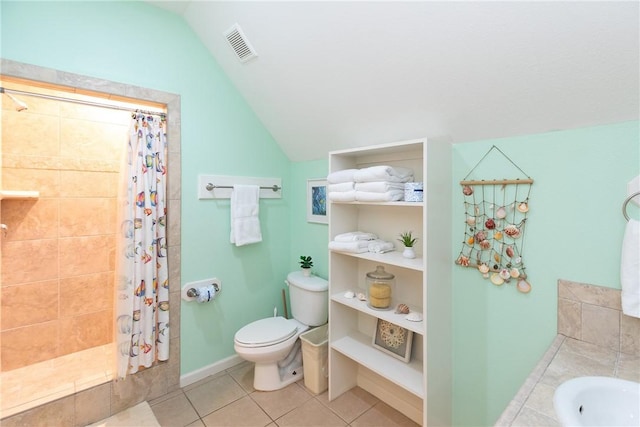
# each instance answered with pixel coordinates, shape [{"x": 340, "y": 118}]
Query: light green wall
[
  {"x": 138, "y": 44},
  {"x": 574, "y": 232}
]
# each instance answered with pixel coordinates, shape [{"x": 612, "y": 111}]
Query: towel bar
[
  {"x": 626, "y": 202},
  {"x": 211, "y": 187}
]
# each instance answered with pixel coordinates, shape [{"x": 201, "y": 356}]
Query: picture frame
[
  {"x": 317, "y": 201},
  {"x": 393, "y": 340}
]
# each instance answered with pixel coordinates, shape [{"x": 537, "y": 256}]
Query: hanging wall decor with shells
[{"x": 495, "y": 216}]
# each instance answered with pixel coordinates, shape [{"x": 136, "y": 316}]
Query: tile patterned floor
[{"x": 228, "y": 399}]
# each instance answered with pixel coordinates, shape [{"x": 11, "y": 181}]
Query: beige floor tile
[
  {"x": 243, "y": 412},
  {"x": 140, "y": 415},
  {"x": 279, "y": 402},
  {"x": 382, "y": 415},
  {"x": 175, "y": 411},
  {"x": 310, "y": 414},
  {"x": 214, "y": 394},
  {"x": 351, "y": 404},
  {"x": 243, "y": 374}
]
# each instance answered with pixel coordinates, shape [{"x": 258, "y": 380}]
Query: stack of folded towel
[
  {"x": 373, "y": 184},
  {"x": 359, "y": 242}
]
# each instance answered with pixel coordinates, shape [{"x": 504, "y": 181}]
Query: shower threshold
[{"x": 34, "y": 385}]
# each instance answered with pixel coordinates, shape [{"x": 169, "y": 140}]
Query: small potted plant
[
  {"x": 408, "y": 241},
  {"x": 306, "y": 263}
]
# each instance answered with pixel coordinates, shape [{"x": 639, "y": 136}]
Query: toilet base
[{"x": 273, "y": 376}]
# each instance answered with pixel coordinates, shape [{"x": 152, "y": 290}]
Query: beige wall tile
[
  {"x": 88, "y": 184},
  {"x": 37, "y": 136},
  {"x": 601, "y": 326},
  {"x": 57, "y": 413},
  {"x": 86, "y": 294},
  {"x": 19, "y": 261},
  {"x": 591, "y": 294},
  {"x": 31, "y": 219},
  {"x": 570, "y": 318},
  {"x": 629, "y": 334},
  {"x": 86, "y": 331},
  {"x": 28, "y": 304},
  {"x": 86, "y": 217},
  {"x": 92, "y": 405},
  {"x": 28, "y": 345},
  {"x": 84, "y": 255},
  {"x": 92, "y": 140},
  {"x": 47, "y": 182}
]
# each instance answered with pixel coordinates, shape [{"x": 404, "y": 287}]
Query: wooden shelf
[
  {"x": 388, "y": 315},
  {"x": 358, "y": 347},
  {"x": 394, "y": 258},
  {"x": 19, "y": 195},
  {"x": 404, "y": 204}
]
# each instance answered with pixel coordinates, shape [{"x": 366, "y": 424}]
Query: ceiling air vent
[{"x": 240, "y": 44}]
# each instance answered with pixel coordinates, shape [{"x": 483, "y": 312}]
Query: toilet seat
[{"x": 266, "y": 332}]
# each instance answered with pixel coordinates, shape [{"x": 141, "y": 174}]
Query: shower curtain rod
[{"x": 79, "y": 101}]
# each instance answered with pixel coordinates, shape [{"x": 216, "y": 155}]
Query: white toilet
[{"x": 273, "y": 344}]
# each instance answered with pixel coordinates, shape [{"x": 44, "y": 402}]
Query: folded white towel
[
  {"x": 342, "y": 196},
  {"x": 354, "y": 236},
  {"x": 384, "y": 173},
  {"x": 343, "y": 186},
  {"x": 357, "y": 247},
  {"x": 630, "y": 269},
  {"x": 337, "y": 177},
  {"x": 380, "y": 246},
  {"x": 245, "y": 209},
  {"x": 379, "y": 186},
  {"x": 388, "y": 196}
]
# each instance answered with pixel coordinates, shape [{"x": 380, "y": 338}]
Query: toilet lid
[{"x": 263, "y": 332}]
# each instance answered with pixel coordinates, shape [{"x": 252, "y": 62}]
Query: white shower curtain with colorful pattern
[{"x": 142, "y": 282}]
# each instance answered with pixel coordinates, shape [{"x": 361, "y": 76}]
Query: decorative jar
[{"x": 380, "y": 284}]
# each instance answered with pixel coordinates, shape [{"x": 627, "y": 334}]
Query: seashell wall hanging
[{"x": 495, "y": 216}]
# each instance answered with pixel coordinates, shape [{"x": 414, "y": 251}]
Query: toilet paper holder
[
  {"x": 190, "y": 290},
  {"x": 193, "y": 292}
]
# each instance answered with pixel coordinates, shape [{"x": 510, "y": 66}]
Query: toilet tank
[{"x": 309, "y": 298}]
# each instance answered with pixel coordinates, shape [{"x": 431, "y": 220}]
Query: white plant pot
[
  {"x": 306, "y": 272},
  {"x": 408, "y": 253}
]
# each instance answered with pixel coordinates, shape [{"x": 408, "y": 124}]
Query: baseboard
[{"x": 212, "y": 369}]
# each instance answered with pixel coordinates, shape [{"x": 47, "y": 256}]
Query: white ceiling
[{"x": 334, "y": 74}]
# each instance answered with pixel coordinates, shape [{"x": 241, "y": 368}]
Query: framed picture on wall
[
  {"x": 393, "y": 340},
  {"x": 317, "y": 201}
]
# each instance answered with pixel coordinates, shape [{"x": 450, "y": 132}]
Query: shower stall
[{"x": 60, "y": 168}]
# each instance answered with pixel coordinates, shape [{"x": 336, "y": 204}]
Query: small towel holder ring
[{"x": 626, "y": 202}]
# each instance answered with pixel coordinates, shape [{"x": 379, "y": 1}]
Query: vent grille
[{"x": 240, "y": 44}]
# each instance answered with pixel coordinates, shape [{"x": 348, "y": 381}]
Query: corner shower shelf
[{"x": 19, "y": 195}]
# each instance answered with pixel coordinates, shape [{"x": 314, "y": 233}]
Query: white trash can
[{"x": 315, "y": 358}]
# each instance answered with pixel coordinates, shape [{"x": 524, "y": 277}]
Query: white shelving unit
[{"x": 423, "y": 283}]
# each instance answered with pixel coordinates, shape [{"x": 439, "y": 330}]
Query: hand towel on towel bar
[
  {"x": 245, "y": 209},
  {"x": 630, "y": 269}
]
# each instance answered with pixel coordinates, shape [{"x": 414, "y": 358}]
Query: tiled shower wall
[
  {"x": 58, "y": 254},
  {"x": 91, "y": 405}
]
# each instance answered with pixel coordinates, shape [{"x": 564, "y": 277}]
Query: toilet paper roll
[{"x": 206, "y": 293}]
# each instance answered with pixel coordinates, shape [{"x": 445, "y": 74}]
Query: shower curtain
[{"x": 142, "y": 283}]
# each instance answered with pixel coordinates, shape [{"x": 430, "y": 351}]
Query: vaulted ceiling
[{"x": 333, "y": 74}]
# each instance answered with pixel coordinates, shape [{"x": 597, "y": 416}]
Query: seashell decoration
[
  {"x": 509, "y": 252},
  {"x": 484, "y": 269},
  {"x": 496, "y": 279},
  {"x": 361, "y": 296},
  {"x": 402, "y": 309},
  {"x": 471, "y": 220},
  {"x": 512, "y": 231},
  {"x": 523, "y": 207},
  {"x": 480, "y": 236},
  {"x": 467, "y": 191},
  {"x": 463, "y": 260},
  {"x": 501, "y": 213},
  {"x": 514, "y": 273},
  {"x": 504, "y": 274},
  {"x": 490, "y": 224},
  {"x": 414, "y": 316},
  {"x": 497, "y": 235},
  {"x": 485, "y": 244},
  {"x": 523, "y": 286},
  {"x": 349, "y": 294},
  {"x": 471, "y": 240}
]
